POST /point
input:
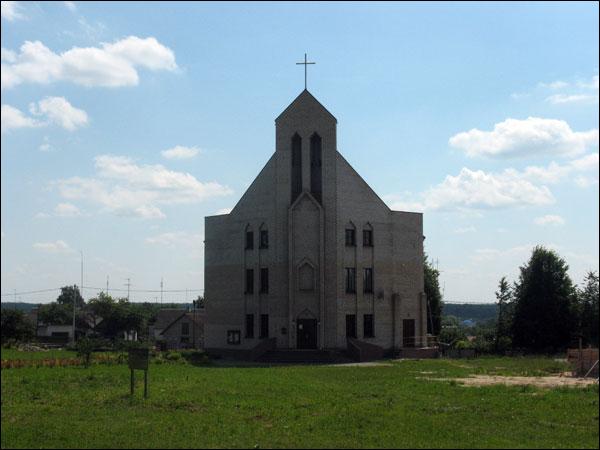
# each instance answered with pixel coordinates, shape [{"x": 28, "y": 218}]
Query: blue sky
[{"x": 124, "y": 124}]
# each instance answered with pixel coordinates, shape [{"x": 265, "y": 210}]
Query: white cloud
[
  {"x": 492, "y": 254},
  {"x": 66, "y": 210},
  {"x": 558, "y": 99},
  {"x": 554, "y": 85},
  {"x": 59, "y": 111},
  {"x": 12, "y": 118},
  {"x": 70, "y": 6},
  {"x": 555, "y": 173},
  {"x": 549, "y": 219},
  {"x": 53, "y": 247},
  {"x": 515, "y": 138},
  {"x": 10, "y": 11},
  {"x": 110, "y": 65},
  {"x": 476, "y": 189},
  {"x": 180, "y": 152},
  {"x": 127, "y": 189},
  {"x": 2, "y": 234},
  {"x": 50, "y": 110},
  {"x": 223, "y": 211}
]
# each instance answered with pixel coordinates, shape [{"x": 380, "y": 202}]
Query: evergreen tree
[
  {"x": 434, "y": 297},
  {"x": 544, "y": 310},
  {"x": 504, "y": 295},
  {"x": 588, "y": 309}
]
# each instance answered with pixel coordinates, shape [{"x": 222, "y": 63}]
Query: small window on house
[
  {"x": 249, "y": 281},
  {"x": 185, "y": 329},
  {"x": 350, "y": 237},
  {"x": 249, "y": 240},
  {"x": 233, "y": 337},
  {"x": 264, "y": 280},
  {"x": 250, "y": 326},
  {"x": 368, "y": 329},
  {"x": 350, "y": 280},
  {"x": 264, "y": 238},
  {"x": 367, "y": 238},
  {"x": 264, "y": 326},
  {"x": 368, "y": 280}
]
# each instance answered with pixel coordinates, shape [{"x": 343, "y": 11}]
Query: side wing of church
[{"x": 311, "y": 256}]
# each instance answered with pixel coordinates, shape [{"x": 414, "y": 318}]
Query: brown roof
[
  {"x": 166, "y": 316},
  {"x": 197, "y": 318}
]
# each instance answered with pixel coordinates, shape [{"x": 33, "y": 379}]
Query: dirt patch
[{"x": 544, "y": 382}]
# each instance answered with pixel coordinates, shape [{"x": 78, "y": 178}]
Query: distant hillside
[
  {"x": 477, "y": 313},
  {"x": 25, "y": 307}
]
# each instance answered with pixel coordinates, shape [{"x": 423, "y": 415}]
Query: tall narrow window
[
  {"x": 296, "y": 166},
  {"x": 368, "y": 330},
  {"x": 315, "y": 167},
  {"x": 249, "y": 281},
  {"x": 367, "y": 238},
  {"x": 264, "y": 238},
  {"x": 249, "y": 240},
  {"x": 249, "y": 326},
  {"x": 350, "y": 237},
  {"x": 264, "y": 280},
  {"x": 185, "y": 328},
  {"x": 368, "y": 280},
  {"x": 350, "y": 280},
  {"x": 264, "y": 326},
  {"x": 350, "y": 325}
]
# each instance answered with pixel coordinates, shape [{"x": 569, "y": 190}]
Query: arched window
[
  {"x": 296, "y": 166},
  {"x": 316, "y": 183}
]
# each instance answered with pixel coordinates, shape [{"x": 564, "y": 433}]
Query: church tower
[{"x": 311, "y": 257}]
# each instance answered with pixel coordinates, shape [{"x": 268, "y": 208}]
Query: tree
[
  {"x": 199, "y": 302},
  {"x": 15, "y": 325},
  {"x": 67, "y": 293},
  {"x": 544, "y": 310},
  {"x": 504, "y": 295},
  {"x": 588, "y": 309},
  {"x": 56, "y": 314},
  {"x": 434, "y": 297}
]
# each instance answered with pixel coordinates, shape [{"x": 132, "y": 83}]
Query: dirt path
[{"x": 544, "y": 382}]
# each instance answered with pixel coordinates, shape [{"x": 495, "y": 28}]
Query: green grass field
[{"x": 295, "y": 406}]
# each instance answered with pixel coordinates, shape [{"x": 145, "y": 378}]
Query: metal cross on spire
[{"x": 305, "y": 64}]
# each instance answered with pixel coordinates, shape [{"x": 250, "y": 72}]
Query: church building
[{"x": 311, "y": 257}]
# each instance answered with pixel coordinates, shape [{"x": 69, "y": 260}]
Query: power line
[{"x": 40, "y": 291}]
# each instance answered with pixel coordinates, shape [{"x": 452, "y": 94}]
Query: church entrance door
[{"x": 306, "y": 333}]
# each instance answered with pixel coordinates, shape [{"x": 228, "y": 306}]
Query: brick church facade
[{"x": 310, "y": 256}]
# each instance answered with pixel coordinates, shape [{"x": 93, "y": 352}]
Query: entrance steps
[{"x": 297, "y": 357}]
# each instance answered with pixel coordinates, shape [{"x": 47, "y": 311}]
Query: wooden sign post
[{"x": 138, "y": 360}]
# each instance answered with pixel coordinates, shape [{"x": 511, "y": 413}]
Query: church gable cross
[{"x": 305, "y": 64}]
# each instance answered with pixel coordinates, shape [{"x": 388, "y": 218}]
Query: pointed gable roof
[{"x": 305, "y": 96}]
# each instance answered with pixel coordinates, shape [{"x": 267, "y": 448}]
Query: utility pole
[
  {"x": 106, "y": 284},
  {"x": 74, "y": 302},
  {"x": 161, "y": 291},
  {"x": 81, "y": 286},
  {"x": 128, "y": 284}
]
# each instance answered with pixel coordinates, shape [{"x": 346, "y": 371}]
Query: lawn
[
  {"x": 295, "y": 406},
  {"x": 12, "y": 354}
]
